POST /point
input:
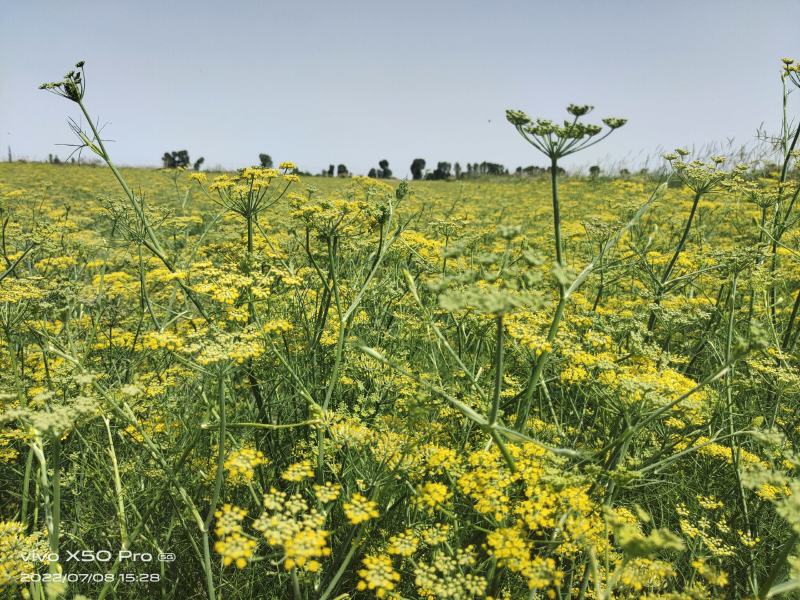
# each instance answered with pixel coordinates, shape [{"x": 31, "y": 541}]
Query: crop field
[{"x": 257, "y": 384}]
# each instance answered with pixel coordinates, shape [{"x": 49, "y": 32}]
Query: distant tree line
[
  {"x": 51, "y": 159},
  {"x": 445, "y": 170},
  {"x": 179, "y": 159}
]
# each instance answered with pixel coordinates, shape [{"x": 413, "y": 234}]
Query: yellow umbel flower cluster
[
  {"x": 241, "y": 464},
  {"x": 360, "y": 509},
  {"x": 298, "y": 471},
  {"x": 288, "y": 523},
  {"x": 378, "y": 575},
  {"x": 236, "y": 549}
]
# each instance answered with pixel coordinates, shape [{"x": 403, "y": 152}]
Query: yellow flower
[
  {"x": 360, "y": 509},
  {"x": 155, "y": 340},
  {"x": 14, "y": 545},
  {"x": 229, "y": 520},
  {"x": 304, "y": 547},
  {"x": 714, "y": 577},
  {"x": 327, "y": 492},
  {"x": 298, "y": 471},
  {"x": 431, "y": 495},
  {"x": 435, "y": 534},
  {"x": 513, "y": 551},
  {"x": 378, "y": 575},
  {"x": 236, "y": 549},
  {"x": 770, "y": 492},
  {"x": 241, "y": 464},
  {"x": 403, "y": 544}
]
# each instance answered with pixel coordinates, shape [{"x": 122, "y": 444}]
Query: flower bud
[
  {"x": 579, "y": 110},
  {"x": 517, "y": 117},
  {"x": 614, "y": 122},
  {"x": 592, "y": 130}
]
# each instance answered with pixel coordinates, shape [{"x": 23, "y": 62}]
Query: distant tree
[
  {"x": 594, "y": 171},
  {"x": 624, "y": 172},
  {"x": 372, "y": 173},
  {"x": 559, "y": 170},
  {"x": 469, "y": 170},
  {"x": 176, "y": 160},
  {"x": 384, "y": 172},
  {"x": 198, "y": 163},
  {"x": 265, "y": 160},
  {"x": 457, "y": 169},
  {"x": 342, "y": 171},
  {"x": 530, "y": 171},
  {"x": 442, "y": 171},
  {"x": 488, "y": 168},
  {"x": 417, "y": 168},
  {"x": 330, "y": 170}
]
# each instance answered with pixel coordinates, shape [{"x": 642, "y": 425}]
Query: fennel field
[{"x": 260, "y": 385}]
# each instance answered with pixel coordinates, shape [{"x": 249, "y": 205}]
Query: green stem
[
  {"x": 556, "y": 209},
  {"x": 777, "y": 565},
  {"x": 272, "y": 426},
  {"x": 123, "y": 533},
  {"x": 217, "y": 484},
  {"x": 538, "y": 366},
  {"x": 56, "y": 483},
  {"x": 787, "y": 344},
  {"x": 51, "y": 516},
  {"x": 498, "y": 371},
  {"x": 296, "y": 586},
  {"x": 731, "y": 430},
  {"x": 25, "y": 485},
  {"x": 152, "y": 242},
  {"x": 671, "y": 265},
  {"x": 212, "y": 595},
  {"x": 541, "y": 361},
  {"x": 355, "y": 544}
]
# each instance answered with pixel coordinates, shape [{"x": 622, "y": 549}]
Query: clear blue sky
[{"x": 357, "y": 81}]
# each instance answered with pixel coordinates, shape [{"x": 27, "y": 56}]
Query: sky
[{"x": 356, "y": 81}]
